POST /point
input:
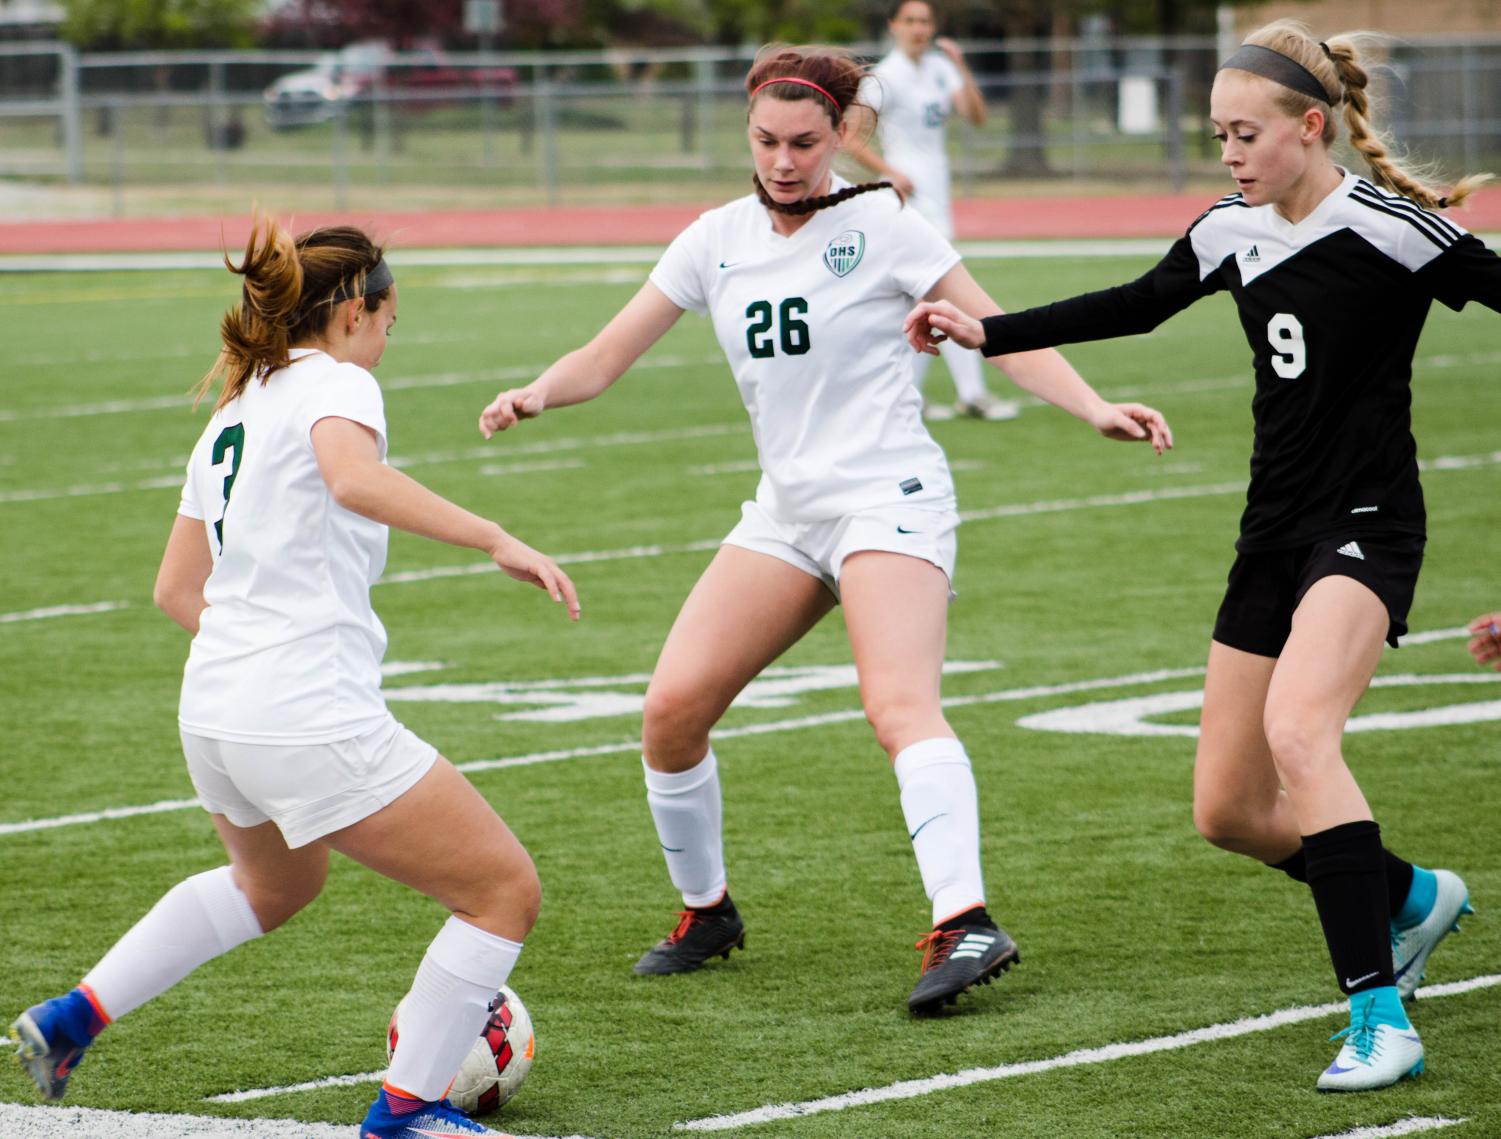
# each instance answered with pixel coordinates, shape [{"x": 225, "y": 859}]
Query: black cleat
[
  {"x": 700, "y": 935},
  {"x": 956, "y": 959}
]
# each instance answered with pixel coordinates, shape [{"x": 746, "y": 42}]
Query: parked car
[{"x": 352, "y": 75}]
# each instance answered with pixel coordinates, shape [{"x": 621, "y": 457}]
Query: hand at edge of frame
[{"x": 1485, "y": 645}]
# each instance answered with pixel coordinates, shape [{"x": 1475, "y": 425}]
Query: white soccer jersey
[
  {"x": 289, "y": 649},
  {"x": 812, "y": 328},
  {"x": 913, "y": 102}
]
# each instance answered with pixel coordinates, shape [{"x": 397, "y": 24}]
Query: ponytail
[
  {"x": 1338, "y": 67},
  {"x": 290, "y": 289}
]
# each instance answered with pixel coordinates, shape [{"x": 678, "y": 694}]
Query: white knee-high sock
[
  {"x": 964, "y": 366},
  {"x": 942, "y": 811},
  {"x": 688, "y": 812},
  {"x": 442, "y": 1016},
  {"x": 195, "y": 921}
]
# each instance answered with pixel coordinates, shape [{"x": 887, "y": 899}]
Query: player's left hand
[
  {"x": 949, "y": 48},
  {"x": 1485, "y": 645},
  {"x": 1134, "y": 423}
]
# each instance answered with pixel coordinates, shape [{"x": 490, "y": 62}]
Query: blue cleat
[
  {"x": 1380, "y": 1047},
  {"x": 1411, "y": 946},
  {"x": 51, "y": 1039},
  {"x": 395, "y": 1116}
]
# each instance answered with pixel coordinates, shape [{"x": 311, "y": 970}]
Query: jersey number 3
[
  {"x": 1289, "y": 353},
  {"x": 231, "y": 439},
  {"x": 793, "y": 333}
]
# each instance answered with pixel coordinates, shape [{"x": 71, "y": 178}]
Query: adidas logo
[
  {"x": 1252, "y": 254},
  {"x": 973, "y": 945},
  {"x": 1351, "y": 550}
]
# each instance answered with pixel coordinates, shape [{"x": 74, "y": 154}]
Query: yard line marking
[
  {"x": 1409, "y": 1126},
  {"x": 86, "y": 817},
  {"x": 62, "y": 611},
  {"x": 37, "y": 1122},
  {"x": 910, "y": 1089},
  {"x": 531, "y": 468},
  {"x": 310, "y": 1085}
]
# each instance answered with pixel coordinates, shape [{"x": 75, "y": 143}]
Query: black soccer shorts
[{"x": 1266, "y": 586}]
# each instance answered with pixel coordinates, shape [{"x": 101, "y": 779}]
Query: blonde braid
[{"x": 1405, "y": 178}]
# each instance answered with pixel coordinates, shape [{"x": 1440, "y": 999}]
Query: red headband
[{"x": 800, "y": 83}]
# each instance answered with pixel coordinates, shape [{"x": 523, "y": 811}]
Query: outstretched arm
[
  {"x": 1045, "y": 373},
  {"x": 349, "y": 460},
  {"x": 586, "y": 372}
]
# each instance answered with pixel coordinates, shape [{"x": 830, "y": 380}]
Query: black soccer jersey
[{"x": 1333, "y": 307}]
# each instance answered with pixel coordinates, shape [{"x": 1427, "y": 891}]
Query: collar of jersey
[
  {"x": 1321, "y": 211},
  {"x": 836, "y": 183}
]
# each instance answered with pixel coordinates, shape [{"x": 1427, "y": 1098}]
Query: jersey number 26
[{"x": 792, "y": 333}]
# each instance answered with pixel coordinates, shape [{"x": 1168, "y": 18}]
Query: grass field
[{"x": 1082, "y": 561}]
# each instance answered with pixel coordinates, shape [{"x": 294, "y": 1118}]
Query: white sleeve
[
  {"x": 680, "y": 272},
  {"x": 348, "y": 392},
  {"x": 922, "y": 255},
  {"x": 872, "y": 92},
  {"x": 954, "y": 77},
  {"x": 188, "y": 506}
]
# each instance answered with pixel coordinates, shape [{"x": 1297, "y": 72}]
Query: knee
[
  {"x": 276, "y": 902},
  {"x": 1222, "y": 822},
  {"x": 1299, "y": 744},
  {"x": 898, "y": 720},
  {"x": 518, "y": 897},
  {"x": 673, "y": 723}
]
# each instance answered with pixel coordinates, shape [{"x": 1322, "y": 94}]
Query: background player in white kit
[
  {"x": 806, "y": 282},
  {"x": 281, "y": 532},
  {"x": 913, "y": 91},
  {"x": 1333, "y": 279}
]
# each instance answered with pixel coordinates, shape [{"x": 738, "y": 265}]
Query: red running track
[{"x": 1161, "y": 215}]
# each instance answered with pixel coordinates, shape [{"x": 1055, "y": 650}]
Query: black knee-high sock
[
  {"x": 1398, "y": 875},
  {"x": 1347, "y": 874}
]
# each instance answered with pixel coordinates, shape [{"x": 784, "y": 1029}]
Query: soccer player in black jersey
[{"x": 1333, "y": 276}]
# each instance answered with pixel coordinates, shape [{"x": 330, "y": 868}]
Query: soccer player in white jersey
[
  {"x": 1333, "y": 277},
  {"x": 913, "y": 91},
  {"x": 806, "y": 281},
  {"x": 281, "y": 531}
]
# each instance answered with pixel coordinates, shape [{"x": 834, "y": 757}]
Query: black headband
[
  {"x": 376, "y": 280},
  {"x": 1278, "y": 68}
]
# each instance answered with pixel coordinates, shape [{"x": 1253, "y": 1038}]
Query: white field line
[
  {"x": 31, "y": 1122},
  {"x": 1412, "y": 1125},
  {"x": 910, "y": 1089},
  {"x": 62, "y": 611},
  {"x": 634, "y": 745},
  {"x": 308, "y": 1086},
  {"x": 501, "y": 469}
]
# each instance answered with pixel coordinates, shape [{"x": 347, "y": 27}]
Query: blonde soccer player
[
  {"x": 806, "y": 281},
  {"x": 281, "y": 531},
  {"x": 914, "y": 91},
  {"x": 1333, "y": 276}
]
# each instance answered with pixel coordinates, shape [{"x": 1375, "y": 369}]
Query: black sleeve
[
  {"x": 1167, "y": 288},
  {"x": 1466, "y": 271}
]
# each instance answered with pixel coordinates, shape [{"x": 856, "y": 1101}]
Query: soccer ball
[{"x": 499, "y": 1060}]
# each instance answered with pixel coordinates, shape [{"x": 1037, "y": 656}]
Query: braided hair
[
  {"x": 835, "y": 76},
  {"x": 1340, "y": 70}
]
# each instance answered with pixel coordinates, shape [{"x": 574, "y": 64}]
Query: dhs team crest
[{"x": 844, "y": 252}]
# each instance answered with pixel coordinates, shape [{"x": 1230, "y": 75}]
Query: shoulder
[
  {"x": 1398, "y": 222},
  {"x": 1216, "y": 214},
  {"x": 721, "y": 218}
]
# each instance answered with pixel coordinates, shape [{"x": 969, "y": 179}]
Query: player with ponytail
[
  {"x": 1333, "y": 276},
  {"x": 806, "y": 280},
  {"x": 281, "y": 531}
]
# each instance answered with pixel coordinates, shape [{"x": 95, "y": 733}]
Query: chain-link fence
[{"x": 366, "y": 127}]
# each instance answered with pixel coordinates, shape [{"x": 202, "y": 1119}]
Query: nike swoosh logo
[
  {"x": 728, "y": 264},
  {"x": 918, "y": 831},
  {"x": 672, "y": 849},
  {"x": 904, "y": 530},
  {"x": 1338, "y": 1071},
  {"x": 1349, "y": 984}
]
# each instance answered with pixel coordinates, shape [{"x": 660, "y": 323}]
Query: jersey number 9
[
  {"x": 793, "y": 333},
  {"x": 1289, "y": 353}
]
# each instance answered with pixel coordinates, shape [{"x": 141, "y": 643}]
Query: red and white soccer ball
[{"x": 499, "y": 1060}]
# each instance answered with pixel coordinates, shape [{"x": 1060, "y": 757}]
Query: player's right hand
[
  {"x": 901, "y": 182},
  {"x": 933, "y": 322},
  {"x": 509, "y": 408},
  {"x": 1485, "y": 644},
  {"x": 523, "y": 563}
]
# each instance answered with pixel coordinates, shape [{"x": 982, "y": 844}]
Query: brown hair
[
  {"x": 291, "y": 288},
  {"x": 1338, "y": 67},
  {"x": 837, "y": 74}
]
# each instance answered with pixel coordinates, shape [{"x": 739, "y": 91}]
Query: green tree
[{"x": 155, "y": 24}]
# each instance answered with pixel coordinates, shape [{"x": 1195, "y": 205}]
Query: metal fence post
[
  {"x": 547, "y": 132},
  {"x": 703, "y": 89},
  {"x": 72, "y": 112},
  {"x": 341, "y": 160},
  {"x": 117, "y": 158},
  {"x": 1176, "y": 164}
]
